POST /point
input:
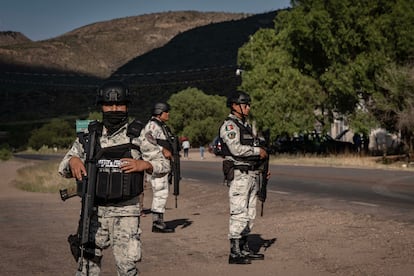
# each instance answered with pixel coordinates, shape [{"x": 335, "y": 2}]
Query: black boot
[
  {"x": 158, "y": 224},
  {"x": 236, "y": 256},
  {"x": 245, "y": 250}
]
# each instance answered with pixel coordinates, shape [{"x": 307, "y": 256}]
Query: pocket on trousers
[{"x": 228, "y": 170}]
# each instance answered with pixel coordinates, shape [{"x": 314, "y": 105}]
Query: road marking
[
  {"x": 364, "y": 203},
  {"x": 280, "y": 192},
  {"x": 383, "y": 190},
  {"x": 190, "y": 179}
]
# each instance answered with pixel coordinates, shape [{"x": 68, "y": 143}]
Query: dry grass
[
  {"x": 42, "y": 177},
  {"x": 377, "y": 162}
]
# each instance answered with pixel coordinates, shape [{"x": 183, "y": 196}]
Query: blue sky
[{"x": 43, "y": 19}]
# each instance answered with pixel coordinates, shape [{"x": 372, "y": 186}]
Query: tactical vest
[
  {"x": 246, "y": 138},
  {"x": 113, "y": 185}
]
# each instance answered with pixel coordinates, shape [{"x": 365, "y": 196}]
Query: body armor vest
[
  {"x": 246, "y": 138},
  {"x": 113, "y": 185}
]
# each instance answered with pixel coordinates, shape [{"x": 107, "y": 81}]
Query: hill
[
  {"x": 157, "y": 54},
  {"x": 11, "y": 38},
  {"x": 99, "y": 49}
]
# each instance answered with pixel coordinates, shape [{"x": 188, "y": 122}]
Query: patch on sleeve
[
  {"x": 231, "y": 135},
  {"x": 150, "y": 138},
  {"x": 229, "y": 127}
]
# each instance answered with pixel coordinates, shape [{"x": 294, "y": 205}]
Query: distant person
[
  {"x": 119, "y": 150},
  {"x": 186, "y": 147},
  {"x": 157, "y": 131},
  {"x": 357, "y": 139},
  {"x": 240, "y": 167},
  {"x": 202, "y": 149}
]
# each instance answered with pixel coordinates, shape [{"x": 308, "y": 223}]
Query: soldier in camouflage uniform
[
  {"x": 158, "y": 132},
  {"x": 240, "y": 167},
  {"x": 115, "y": 221}
]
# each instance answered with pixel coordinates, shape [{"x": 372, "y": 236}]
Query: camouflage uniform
[
  {"x": 159, "y": 182},
  {"x": 244, "y": 186},
  {"x": 117, "y": 225}
]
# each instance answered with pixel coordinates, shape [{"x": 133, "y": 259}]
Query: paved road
[
  {"x": 301, "y": 233},
  {"x": 387, "y": 192}
]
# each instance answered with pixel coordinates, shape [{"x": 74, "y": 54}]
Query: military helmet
[
  {"x": 238, "y": 97},
  {"x": 160, "y": 108},
  {"x": 113, "y": 92}
]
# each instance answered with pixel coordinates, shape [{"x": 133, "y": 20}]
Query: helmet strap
[{"x": 242, "y": 115}]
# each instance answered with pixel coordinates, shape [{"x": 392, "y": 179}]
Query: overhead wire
[{"x": 85, "y": 81}]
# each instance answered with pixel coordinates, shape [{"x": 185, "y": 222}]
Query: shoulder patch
[
  {"x": 231, "y": 135},
  {"x": 229, "y": 127}
]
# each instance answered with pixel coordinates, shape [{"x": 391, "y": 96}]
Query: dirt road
[{"x": 298, "y": 237}]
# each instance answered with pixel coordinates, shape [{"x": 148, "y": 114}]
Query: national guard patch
[
  {"x": 229, "y": 127},
  {"x": 231, "y": 135}
]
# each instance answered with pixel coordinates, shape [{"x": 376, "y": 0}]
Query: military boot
[
  {"x": 158, "y": 224},
  {"x": 236, "y": 256},
  {"x": 246, "y": 251}
]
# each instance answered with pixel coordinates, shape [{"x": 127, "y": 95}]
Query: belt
[{"x": 245, "y": 168}]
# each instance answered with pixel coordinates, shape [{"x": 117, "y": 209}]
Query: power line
[{"x": 78, "y": 80}]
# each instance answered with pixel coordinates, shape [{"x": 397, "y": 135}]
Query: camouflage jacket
[
  {"x": 230, "y": 134},
  {"x": 148, "y": 152}
]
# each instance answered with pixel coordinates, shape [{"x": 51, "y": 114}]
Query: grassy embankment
[{"x": 42, "y": 177}]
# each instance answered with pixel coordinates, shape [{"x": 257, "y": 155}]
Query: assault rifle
[
  {"x": 85, "y": 189},
  {"x": 175, "y": 163},
  {"x": 264, "y": 171},
  {"x": 88, "y": 191}
]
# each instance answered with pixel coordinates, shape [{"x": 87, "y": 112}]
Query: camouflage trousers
[
  {"x": 122, "y": 233},
  {"x": 160, "y": 192},
  {"x": 243, "y": 198}
]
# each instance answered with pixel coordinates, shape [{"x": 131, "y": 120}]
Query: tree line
[
  {"x": 332, "y": 60},
  {"x": 193, "y": 114},
  {"x": 347, "y": 60}
]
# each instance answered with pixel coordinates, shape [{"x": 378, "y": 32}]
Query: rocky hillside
[
  {"x": 101, "y": 48},
  {"x": 11, "y": 38},
  {"x": 157, "y": 54}
]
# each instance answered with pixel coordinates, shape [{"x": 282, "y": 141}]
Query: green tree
[
  {"x": 196, "y": 115},
  {"x": 321, "y": 59},
  {"x": 283, "y": 99},
  {"x": 394, "y": 101},
  {"x": 95, "y": 115},
  {"x": 57, "y": 133}
]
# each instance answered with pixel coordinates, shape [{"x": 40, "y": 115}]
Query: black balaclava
[{"x": 114, "y": 120}]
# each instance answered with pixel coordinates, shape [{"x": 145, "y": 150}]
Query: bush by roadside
[{"x": 5, "y": 154}]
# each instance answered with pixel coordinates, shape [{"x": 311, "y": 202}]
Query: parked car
[{"x": 312, "y": 143}]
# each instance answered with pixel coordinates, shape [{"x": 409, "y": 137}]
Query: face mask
[{"x": 114, "y": 120}]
